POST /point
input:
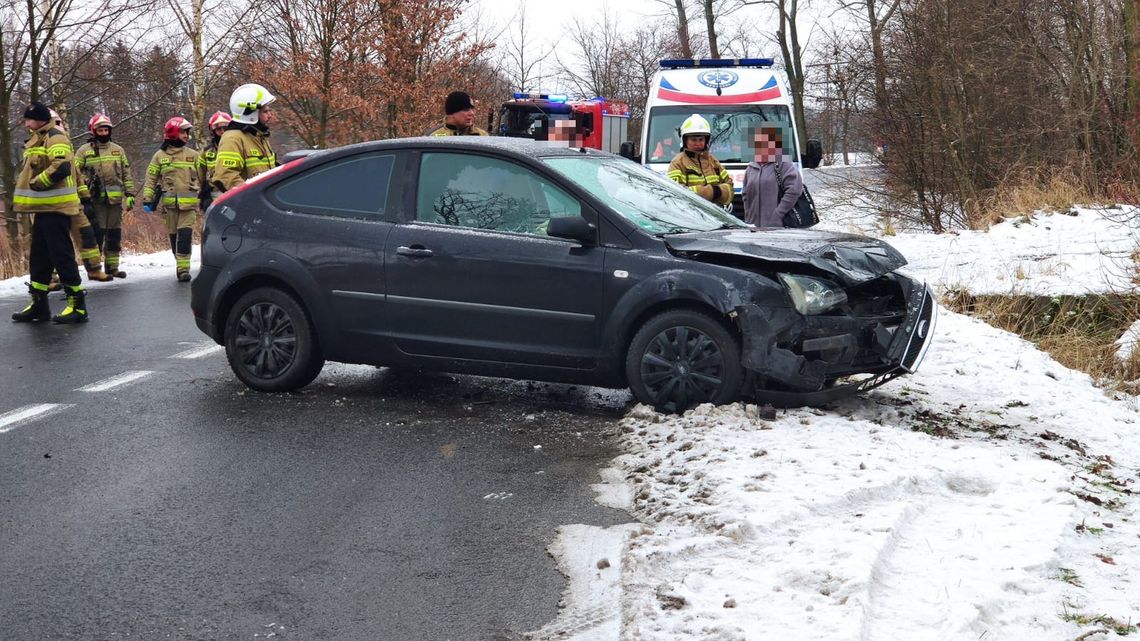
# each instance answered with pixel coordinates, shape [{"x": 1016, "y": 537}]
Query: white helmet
[
  {"x": 246, "y": 100},
  {"x": 695, "y": 125}
]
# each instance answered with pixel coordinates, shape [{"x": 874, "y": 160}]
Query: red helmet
[
  {"x": 98, "y": 120},
  {"x": 175, "y": 126},
  {"x": 219, "y": 119}
]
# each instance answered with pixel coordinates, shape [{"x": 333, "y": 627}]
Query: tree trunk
[
  {"x": 788, "y": 36},
  {"x": 198, "y": 105},
  {"x": 1132, "y": 57},
  {"x": 710, "y": 26},
  {"x": 683, "y": 30}
]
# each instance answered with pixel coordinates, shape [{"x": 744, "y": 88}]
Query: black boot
[
  {"x": 76, "y": 310},
  {"x": 37, "y": 310}
]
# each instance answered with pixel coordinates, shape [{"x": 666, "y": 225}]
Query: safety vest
[
  {"x": 242, "y": 154},
  {"x": 699, "y": 172},
  {"x": 46, "y": 182},
  {"x": 104, "y": 164},
  {"x": 174, "y": 172}
]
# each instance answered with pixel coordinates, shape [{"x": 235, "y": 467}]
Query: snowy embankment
[{"x": 989, "y": 496}]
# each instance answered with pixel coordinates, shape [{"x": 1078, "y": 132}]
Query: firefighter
[
  {"x": 82, "y": 232},
  {"x": 46, "y": 187},
  {"x": 460, "y": 120},
  {"x": 244, "y": 150},
  {"x": 105, "y": 190},
  {"x": 207, "y": 160},
  {"x": 172, "y": 188},
  {"x": 695, "y": 168}
]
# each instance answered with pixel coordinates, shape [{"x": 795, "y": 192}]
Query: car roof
[{"x": 519, "y": 147}]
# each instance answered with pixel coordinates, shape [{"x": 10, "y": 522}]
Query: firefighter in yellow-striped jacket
[
  {"x": 208, "y": 160},
  {"x": 46, "y": 188},
  {"x": 106, "y": 189},
  {"x": 694, "y": 167},
  {"x": 244, "y": 150},
  {"x": 172, "y": 189}
]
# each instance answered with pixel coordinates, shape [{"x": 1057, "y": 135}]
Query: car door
[
  {"x": 472, "y": 275},
  {"x": 341, "y": 213}
]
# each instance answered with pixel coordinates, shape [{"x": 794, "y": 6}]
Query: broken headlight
[{"x": 812, "y": 295}]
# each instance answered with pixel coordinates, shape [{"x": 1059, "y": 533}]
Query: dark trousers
[{"x": 52, "y": 249}]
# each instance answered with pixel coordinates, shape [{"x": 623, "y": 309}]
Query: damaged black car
[{"x": 501, "y": 257}]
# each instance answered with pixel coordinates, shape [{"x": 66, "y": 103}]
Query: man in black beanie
[
  {"x": 46, "y": 187},
  {"x": 460, "y": 120}
]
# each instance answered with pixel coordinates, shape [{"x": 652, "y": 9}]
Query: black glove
[
  {"x": 88, "y": 208},
  {"x": 205, "y": 197},
  {"x": 716, "y": 193}
]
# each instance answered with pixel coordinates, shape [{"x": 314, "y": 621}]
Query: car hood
[{"x": 851, "y": 258}]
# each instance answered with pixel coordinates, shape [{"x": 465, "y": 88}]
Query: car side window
[
  {"x": 356, "y": 186},
  {"x": 467, "y": 190}
]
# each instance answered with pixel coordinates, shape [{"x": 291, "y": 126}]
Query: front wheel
[
  {"x": 682, "y": 358},
  {"x": 270, "y": 342}
]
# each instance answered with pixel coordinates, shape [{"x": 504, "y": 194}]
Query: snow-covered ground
[{"x": 991, "y": 495}]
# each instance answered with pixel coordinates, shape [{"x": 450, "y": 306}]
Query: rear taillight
[{"x": 276, "y": 170}]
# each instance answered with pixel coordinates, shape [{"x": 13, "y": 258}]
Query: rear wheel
[
  {"x": 270, "y": 342},
  {"x": 682, "y": 358}
]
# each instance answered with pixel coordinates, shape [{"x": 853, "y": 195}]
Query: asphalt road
[{"x": 145, "y": 493}]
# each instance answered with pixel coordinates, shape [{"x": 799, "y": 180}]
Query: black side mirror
[
  {"x": 573, "y": 228},
  {"x": 626, "y": 151},
  {"x": 813, "y": 155}
]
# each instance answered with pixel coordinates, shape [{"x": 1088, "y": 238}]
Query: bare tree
[
  {"x": 522, "y": 62},
  {"x": 679, "y": 13}
]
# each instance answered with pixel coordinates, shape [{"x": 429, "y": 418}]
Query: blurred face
[
  {"x": 766, "y": 147},
  {"x": 462, "y": 119},
  {"x": 265, "y": 115},
  {"x": 563, "y": 130},
  {"x": 695, "y": 143}
]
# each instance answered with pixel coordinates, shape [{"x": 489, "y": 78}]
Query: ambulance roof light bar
[{"x": 692, "y": 63}]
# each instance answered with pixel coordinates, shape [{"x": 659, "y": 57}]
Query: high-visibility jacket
[
  {"x": 700, "y": 172},
  {"x": 105, "y": 164},
  {"x": 451, "y": 130},
  {"x": 207, "y": 163},
  {"x": 243, "y": 152},
  {"x": 174, "y": 172},
  {"x": 46, "y": 182}
]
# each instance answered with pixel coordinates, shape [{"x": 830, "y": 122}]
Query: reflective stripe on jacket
[
  {"x": 107, "y": 162},
  {"x": 207, "y": 163},
  {"x": 700, "y": 172},
  {"x": 449, "y": 130},
  {"x": 174, "y": 172},
  {"x": 242, "y": 154},
  {"x": 46, "y": 182}
]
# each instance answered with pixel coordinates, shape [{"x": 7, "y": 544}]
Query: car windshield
[
  {"x": 732, "y": 127},
  {"x": 641, "y": 196}
]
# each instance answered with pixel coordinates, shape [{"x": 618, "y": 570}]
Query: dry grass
[
  {"x": 1080, "y": 332},
  {"x": 142, "y": 234},
  {"x": 1028, "y": 192}
]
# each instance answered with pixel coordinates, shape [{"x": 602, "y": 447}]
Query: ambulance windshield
[{"x": 732, "y": 127}]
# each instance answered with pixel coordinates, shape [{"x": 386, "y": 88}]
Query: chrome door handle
[{"x": 414, "y": 252}]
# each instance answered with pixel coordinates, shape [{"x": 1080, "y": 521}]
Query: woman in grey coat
[{"x": 763, "y": 205}]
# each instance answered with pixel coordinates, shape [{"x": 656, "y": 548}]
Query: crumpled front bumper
[{"x": 793, "y": 358}]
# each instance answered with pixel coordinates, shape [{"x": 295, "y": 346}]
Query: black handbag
[{"x": 803, "y": 213}]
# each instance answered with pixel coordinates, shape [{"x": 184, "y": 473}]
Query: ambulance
[{"x": 736, "y": 97}]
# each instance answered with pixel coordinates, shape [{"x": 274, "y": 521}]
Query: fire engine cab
[
  {"x": 736, "y": 97},
  {"x": 598, "y": 123}
]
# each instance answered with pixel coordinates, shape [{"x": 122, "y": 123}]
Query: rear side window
[{"x": 356, "y": 187}]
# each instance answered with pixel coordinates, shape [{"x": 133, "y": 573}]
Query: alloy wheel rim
[
  {"x": 681, "y": 367},
  {"x": 266, "y": 340}
]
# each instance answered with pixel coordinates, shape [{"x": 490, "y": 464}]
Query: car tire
[
  {"x": 270, "y": 342},
  {"x": 681, "y": 358}
]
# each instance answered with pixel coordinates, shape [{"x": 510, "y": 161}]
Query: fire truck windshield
[
  {"x": 524, "y": 119},
  {"x": 732, "y": 127}
]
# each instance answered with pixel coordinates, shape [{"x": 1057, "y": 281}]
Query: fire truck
[{"x": 602, "y": 124}]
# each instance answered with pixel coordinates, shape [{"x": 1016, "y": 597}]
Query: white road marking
[
  {"x": 13, "y": 419},
  {"x": 200, "y": 351},
  {"x": 115, "y": 381}
]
